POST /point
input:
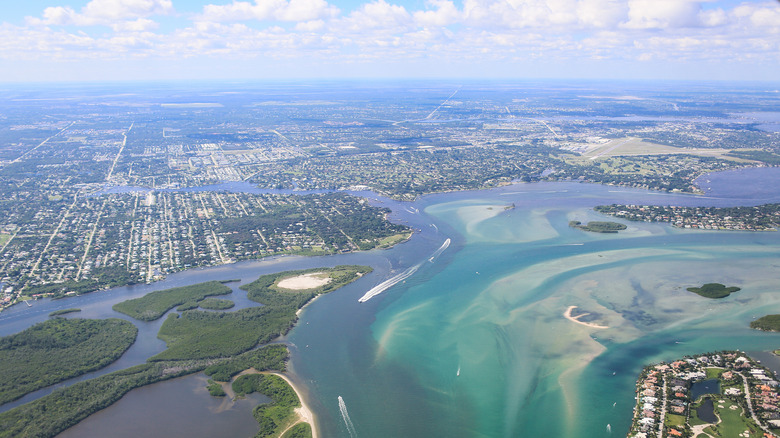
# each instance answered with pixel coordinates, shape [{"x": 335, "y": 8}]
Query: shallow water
[{"x": 475, "y": 344}]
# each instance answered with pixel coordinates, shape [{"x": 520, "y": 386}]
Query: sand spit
[
  {"x": 305, "y": 415},
  {"x": 567, "y": 315}
]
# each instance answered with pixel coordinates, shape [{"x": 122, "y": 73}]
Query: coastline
[{"x": 304, "y": 412}]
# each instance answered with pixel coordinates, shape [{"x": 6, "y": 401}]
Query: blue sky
[{"x": 52, "y": 40}]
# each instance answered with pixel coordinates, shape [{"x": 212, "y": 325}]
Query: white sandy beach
[{"x": 305, "y": 281}]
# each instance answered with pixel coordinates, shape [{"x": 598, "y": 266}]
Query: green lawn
[
  {"x": 674, "y": 420},
  {"x": 714, "y": 373},
  {"x": 732, "y": 422},
  {"x": 389, "y": 241}
]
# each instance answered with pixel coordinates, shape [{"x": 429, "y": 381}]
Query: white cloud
[
  {"x": 119, "y": 13},
  {"x": 139, "y": 25},
  {"x": 310, "y": 26},
  {"x": 663, "y": 14},
  {"x": 446, "y": 13},
  {"x": 112, "y": 10},
  {"x": 379, "y": 17},
  {"x": 500, "y": 31},
  {"x": 281, "y": 10},
  {"x": 601, "y": 13}
]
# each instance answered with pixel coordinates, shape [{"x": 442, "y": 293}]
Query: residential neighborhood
[{"x": 724, "y": 394}]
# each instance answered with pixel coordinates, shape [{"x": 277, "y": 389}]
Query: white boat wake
[
  {"x": 345, "y": 416},
  {"x": 392, "y": 281}
]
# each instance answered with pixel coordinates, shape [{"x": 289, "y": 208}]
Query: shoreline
[
  {"x": 304, "y": 412},
  {"x": 567, "y": 315}
]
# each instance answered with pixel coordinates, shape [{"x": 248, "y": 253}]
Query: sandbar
[
  {"x": 305, "y": 281},
  {"x": 567, "y": 315}
]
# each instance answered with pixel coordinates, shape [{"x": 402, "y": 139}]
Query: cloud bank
[{"x": 443, "y": 32}]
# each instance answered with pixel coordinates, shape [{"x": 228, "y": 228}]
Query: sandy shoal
[
  {"x": 567, "y": 315},
  {"x": 305, "y": 281}
]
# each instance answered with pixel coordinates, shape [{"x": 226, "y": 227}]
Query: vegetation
[
  {"x": 264, "y": 289},
  {"x": 220, "y": 343},
  {"x": 198, "y": 335},
  {"x": 154, "y": 305},
  {"x": 770, "y": 323},
  {"x": 758, "y": 218},
  {"x": 733, "y": 422},
  {"x": 300, "y": 430},
  {"x": 271, "y": 357},
  {"x": 215, "y": 304},
  {"x": 189, "y": 305},
  {"x": 215, "y": 389},
  {"x": 64, "y": 311},
  {"x": 767, "y": 157},
  {"x": 599, "y": 227},
  {"x": 60, "y": 349},
  {"x": 65, "y": 407},
  {"x": 713, "y": 290},
  {"x": 276, "y": 415}
]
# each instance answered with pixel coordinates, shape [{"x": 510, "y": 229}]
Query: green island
[
  {"x": 599, "y": 226},
  {"x": 215, "y": 389},
  {"x": 64, "y": 312},
  {"x": 769, "y": 323},
  {"x": 266, "y": 289},
  {"x": 735, "y": 398},
  {"x": 215, "y": 304},
  {"x": 277, "y": 415},
  {"x": 154, "y": 305},
  {"x": 713, "y": 290},
  {"x": 198, "y": 334},
  {"x": 61, "y": 349},
  {"x": 225, "y": 346}
]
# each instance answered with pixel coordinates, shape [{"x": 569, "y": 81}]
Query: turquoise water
[{"x": 476, "y": 344}]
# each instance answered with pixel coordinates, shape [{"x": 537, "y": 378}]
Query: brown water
[{"x": 176, "y": 408}]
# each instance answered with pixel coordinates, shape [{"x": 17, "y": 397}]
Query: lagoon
[{"x": 474, "y": 343}]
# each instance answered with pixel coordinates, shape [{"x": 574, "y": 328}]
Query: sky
[{"x": 118, "y": 40}]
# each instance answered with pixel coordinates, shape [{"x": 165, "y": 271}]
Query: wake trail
[
  {"x": 392, "y": 281},
  {"x": 345, "y": 416}
]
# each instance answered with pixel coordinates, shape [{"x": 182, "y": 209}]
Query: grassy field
[
  {"x": 4, "y": 238},
  {"x": 674, "y": 420},
  {"x": 389, "y": 241},
  {"x": 732, "y": 423}
]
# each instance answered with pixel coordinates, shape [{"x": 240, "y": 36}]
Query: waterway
[{"x": 474, "y": 343}]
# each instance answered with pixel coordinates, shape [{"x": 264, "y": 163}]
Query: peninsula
[
  {"x": 712, "y": 395},
  {"x": 760, "y": 218}
]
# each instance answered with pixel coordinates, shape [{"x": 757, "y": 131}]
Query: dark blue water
[{"x": 698, "y": 389}]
